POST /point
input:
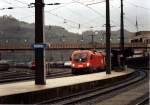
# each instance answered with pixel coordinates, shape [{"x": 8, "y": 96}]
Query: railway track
[
  {"x": 86, "y": 97},
  {"x": 16, "y": 75},
  {"x": 143, "y": 100}
]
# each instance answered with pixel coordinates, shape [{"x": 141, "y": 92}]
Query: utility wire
[
  {"x": 21, "y": 2},
  {"x": 95, "y": 3},
  {"x": 66, "y": 19},
  {"x": 46, "y": 11},
  {"x": 7, "y": 2},
  {"x": 13, "y": 6},
  {"x": 63, "y": 5},
  {"x": 90, "y": 8},
  {"x": 68, "y": 10},
  {"x": 95, "y": 11},
  {"x": 135, "y": 5},
  {"x": 79, "y": 15}
]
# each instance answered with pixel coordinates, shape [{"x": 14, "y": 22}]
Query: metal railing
[{"x": 28, "y": 46}]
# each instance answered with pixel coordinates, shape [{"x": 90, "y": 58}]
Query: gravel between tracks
[{"x": 125, "y": 98}]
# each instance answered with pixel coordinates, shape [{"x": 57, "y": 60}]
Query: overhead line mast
[
  {"x": 122, "y": 36},
  {"x": 108, "y": 34},
  {"x": 40, "y": 73}
]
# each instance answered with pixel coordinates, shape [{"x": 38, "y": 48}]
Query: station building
[{"x": 142, "y": 37}]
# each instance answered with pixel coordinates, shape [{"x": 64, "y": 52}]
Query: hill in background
[{"x": 13, "y": 30}]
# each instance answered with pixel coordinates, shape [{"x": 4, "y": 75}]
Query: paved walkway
[{"x": 22, "y": 87}]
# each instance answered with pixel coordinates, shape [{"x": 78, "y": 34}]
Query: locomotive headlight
[
  {"x": 73, "y": 65},
  {"x": 88, "y": 64}
]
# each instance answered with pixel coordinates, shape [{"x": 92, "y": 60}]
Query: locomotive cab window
[
  {"x": 80, "y": 57},
  {"x": 91, "y": 57}
]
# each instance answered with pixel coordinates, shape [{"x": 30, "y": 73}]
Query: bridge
[{"x": 60, "y": 46}]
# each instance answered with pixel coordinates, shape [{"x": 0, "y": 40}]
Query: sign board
[{"x": 40, "y": 45}]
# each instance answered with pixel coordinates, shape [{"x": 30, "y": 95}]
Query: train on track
[
  {"x": 4, "y": 65},
  {"x": 87, "y": 61}
]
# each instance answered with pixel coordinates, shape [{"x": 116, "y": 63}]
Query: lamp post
[
  {"x": 62, "y": 53},
  {"x": 6, "y": 41},
  {"x": 82, "y": 41},
  {"x": 92, "y": 36},
  {"x": 25, "y": 53},
  {"x": 102, "y": 37}
]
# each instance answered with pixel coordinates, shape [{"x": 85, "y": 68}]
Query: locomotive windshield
[{"x": 80, "y": 57}]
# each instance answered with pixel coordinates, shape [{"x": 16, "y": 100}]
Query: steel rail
[{"x": 86, "y": 95}]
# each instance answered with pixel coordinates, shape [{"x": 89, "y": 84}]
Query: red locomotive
[{"x": 87, "y": 61}]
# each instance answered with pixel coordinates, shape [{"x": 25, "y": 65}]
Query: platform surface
[{"x": 23, "y": 87}]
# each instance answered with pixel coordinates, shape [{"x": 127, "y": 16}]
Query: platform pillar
[
  {"x": 108, "y": 34},
  {"x": 40, "y": 71},
  {"x": 122, "y": 36}
]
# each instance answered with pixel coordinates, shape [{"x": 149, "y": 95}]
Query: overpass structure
[{"x": 62, "y": 46}]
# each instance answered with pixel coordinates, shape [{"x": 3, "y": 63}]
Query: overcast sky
[{"x": 88, "y": 13}]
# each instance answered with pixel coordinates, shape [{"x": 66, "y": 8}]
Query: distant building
[{"x": 141, "y": 37}]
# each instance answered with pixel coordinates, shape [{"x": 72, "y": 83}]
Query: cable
[
  {"x": 64, "y": 18},
  {"x": 60, "y": 6},
  {"x": 96, "y": 3},
  {"x": 67, "y": 9},
  {"x": 131, "y": 23},
  {"x": 90, "y": 8},
  {"x": 7, "y": 2},
  {"x": 95, "y": 11},
  {"x": 14, "y": 6},
  {"x": 21, "y": 2},
  {"x": 135, "y": 5},
  {"x": 78, "y": 15}
]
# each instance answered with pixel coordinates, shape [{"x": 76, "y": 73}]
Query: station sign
[{"x": 39, "y": 45}]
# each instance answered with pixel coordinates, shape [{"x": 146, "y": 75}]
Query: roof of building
[{"x": 142, "y": 32}]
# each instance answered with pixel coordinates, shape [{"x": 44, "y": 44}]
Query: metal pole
[
  {"x": 40, "y": 73},
  {"x": 108, "y": 34},
  {"x": 122, "y": 35},
  {"x": 92, "y": 40},
  {"x": 0, "y": 55}
]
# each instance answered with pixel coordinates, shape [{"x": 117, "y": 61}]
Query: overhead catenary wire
[
  {"x": 138, "y": 6},
  {"x": 21, "y": 2},
  {"x": 68, "y": 20},
  {"x": 87, "y": 4},
  {"x": 95, "y": 3},
  {"x": 55, "y": 14},
  {"x": 50, "y": 13},
  {"x": 67, "y": 9},
  {"x": 14, "y": 6},
  {"x": 95, "y": 11},
  {"x": 63, "y": 5},
  {"x": 7, "y": 2},
  {"x": 86, "y": 23}
]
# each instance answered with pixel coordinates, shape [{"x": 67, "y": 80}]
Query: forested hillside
[{"x": 14, "y": 30}]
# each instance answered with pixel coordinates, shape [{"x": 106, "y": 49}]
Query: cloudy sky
[{"x": 89, "y": 14}]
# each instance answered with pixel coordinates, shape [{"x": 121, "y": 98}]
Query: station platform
[{"x": 29, "y": 93}]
